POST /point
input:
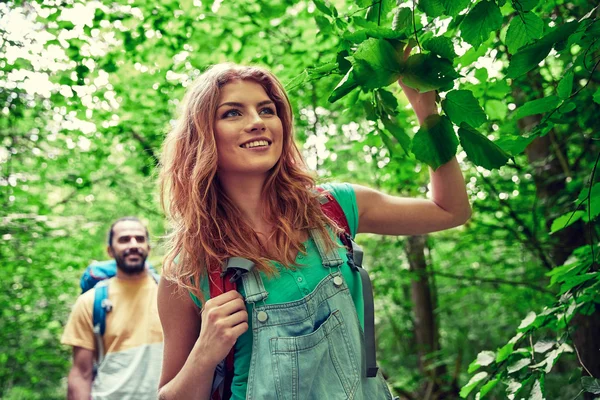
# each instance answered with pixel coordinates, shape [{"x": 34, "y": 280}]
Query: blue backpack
[{"x": 96, "y": 275}]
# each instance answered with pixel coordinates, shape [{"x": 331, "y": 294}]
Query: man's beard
[{"x": 131, "y": 269}]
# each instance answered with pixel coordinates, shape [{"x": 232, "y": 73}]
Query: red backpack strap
[
  {"x": 333, "y": 210},
  {"x": 220, "y": 283}
]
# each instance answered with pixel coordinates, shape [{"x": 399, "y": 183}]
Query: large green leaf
[
  {"x": 426, "y": 72},
  {"x": 537, "y": 106},
  {"x": 480, "y": 150},
  {"x": 435, "y": 143},
  {"x": 461, "y": 106},
  {"x": 440, "y": 45},
  {"x": 482, "y": 20},
  {"x": 525, "y": 5},
  {"x": 523, "y": 29},
  {"x": 530, "y": 56},
  {"x": 392, "y": 126}
]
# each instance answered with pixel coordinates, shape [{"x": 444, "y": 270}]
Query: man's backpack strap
[
  {"x": 102, "y": 305},
  {"x": 334, "y": 211}
]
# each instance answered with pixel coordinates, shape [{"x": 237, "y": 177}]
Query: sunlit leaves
[
  {"x": 480, "y": 150},
  {"x": 482, "y": 20},
  {"x": 435, "y": 143},
  {"x": 461, "y": 106},
  {"x": 523, "y": 29}
]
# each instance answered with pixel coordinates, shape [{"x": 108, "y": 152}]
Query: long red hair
[{"x": 207, "y": 227}]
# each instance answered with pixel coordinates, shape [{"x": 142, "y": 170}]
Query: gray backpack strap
[{"x": 369, "y": 310}]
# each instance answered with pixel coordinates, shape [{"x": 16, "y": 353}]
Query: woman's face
[{"x": 248, "y": 131}]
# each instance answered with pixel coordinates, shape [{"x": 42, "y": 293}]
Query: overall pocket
[{"x": 320, "y": 365}]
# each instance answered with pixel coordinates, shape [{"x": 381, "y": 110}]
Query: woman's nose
[{"x": 256, "y": 124}]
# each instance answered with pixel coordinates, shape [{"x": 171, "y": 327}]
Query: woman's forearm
[{"x": 194, "y": 380}]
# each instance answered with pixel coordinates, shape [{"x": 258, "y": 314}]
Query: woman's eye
[
  {"x": 231, "y": 113},
  {"x": 268, "y": 110}
]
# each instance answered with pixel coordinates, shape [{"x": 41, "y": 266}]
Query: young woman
[{"x": 234, "y": 185}]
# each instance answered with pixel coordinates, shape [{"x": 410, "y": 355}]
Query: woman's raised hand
[
  {"x": 423, "y": 104},
  {"x": 224, "y": 319}
]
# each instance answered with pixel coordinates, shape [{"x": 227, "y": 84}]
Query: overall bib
[{"x": 310, "y": 348}]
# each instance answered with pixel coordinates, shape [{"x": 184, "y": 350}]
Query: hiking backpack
[
  {"x": 96, "y": 275},
  {"x": 221, "y": 282}
]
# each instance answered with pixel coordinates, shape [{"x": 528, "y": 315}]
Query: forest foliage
[{"x": 507, "y": 306}]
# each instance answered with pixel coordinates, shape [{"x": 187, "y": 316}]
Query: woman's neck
[{"x": 245, "y": 191}]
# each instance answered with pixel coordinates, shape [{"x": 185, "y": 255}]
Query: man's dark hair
[{"x": 135, "y": 219}]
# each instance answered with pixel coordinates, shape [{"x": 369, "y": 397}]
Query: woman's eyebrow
[{"x": 240, "y": 105}]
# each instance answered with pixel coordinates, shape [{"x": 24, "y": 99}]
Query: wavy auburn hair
[{"x": 207, "y": 226}]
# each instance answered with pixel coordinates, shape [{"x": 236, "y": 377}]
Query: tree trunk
[{"x": 426, "y": 329}]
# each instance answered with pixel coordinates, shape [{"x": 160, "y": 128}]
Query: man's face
[{"x": 129, "y": 246}]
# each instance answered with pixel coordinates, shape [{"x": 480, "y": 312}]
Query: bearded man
[{"x": 125, "y": 362}]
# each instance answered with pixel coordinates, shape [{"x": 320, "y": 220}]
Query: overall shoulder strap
[{"x": 333, "y": 210}]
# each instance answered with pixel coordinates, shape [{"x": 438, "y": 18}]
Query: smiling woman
[{"x": 238, "y": 189}]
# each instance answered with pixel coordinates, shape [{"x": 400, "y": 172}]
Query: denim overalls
[{"x": 310, "y": 348}]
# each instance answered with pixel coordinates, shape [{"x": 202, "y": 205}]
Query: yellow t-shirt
[{"x": 132, "y": 341}]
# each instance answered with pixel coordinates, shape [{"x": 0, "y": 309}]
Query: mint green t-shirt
[{"x": 291, "y": 285}]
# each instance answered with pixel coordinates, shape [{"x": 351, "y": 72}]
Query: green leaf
[
  {"x": 485, "y": 389},
  {"x": 382, "y": 60},
  {"x": 597, "y": 96},
  {"x": 464, "y": 392},
  {"x": 321, "y": 6},
  {"x": 474, "y": 366},
  {"x": 575, "y": 281},
  {"x": 480, "y": 150},
  {"x": 565, "y": 86},
  {"x": 565, "y": 220},
  {"x": 435, "y": 143},
  {"x": 392, "y": 126},
  {"x": 454, "y": 7},
  {"x": 346, "y": 85},
  {"x": 426, "y": 72},
  {"x": 537, "y": 106},
  {"x": 514, "y": 145},
  {"x": 433, "y": 8},
  {"x": 461, "y": 106},
  {"x": 496, "y": 109},
  {"x": 519, "y": 365},
  {"x": 402, "y": 21},
  {"x": 504, "y": 352},
  {"x": 523, "y": 29},
  {"x": 440, "y": 45},
  {"x": 530, "y": 56},
  {"x": 590, "y": 384},
  {"x": 482, "y": 20}
]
